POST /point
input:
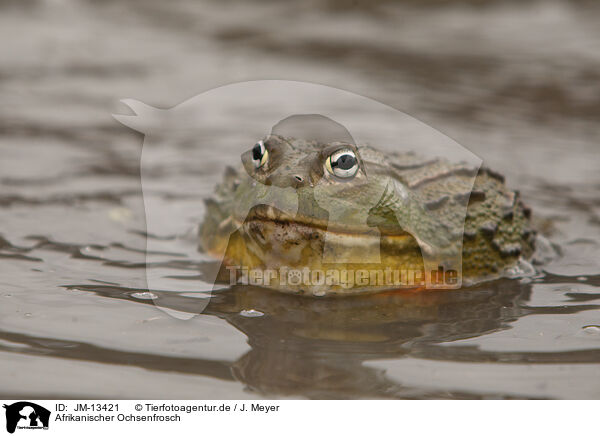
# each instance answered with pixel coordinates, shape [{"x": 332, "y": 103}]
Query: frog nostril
[{"x": 297, "y": 181}]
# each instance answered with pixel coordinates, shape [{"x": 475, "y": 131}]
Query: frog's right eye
[
  {"x": 343, "y": 163},
  {"x": 260, "y": 154}
]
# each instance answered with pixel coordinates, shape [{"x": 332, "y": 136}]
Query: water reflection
[{"x": 316, "y": 348}]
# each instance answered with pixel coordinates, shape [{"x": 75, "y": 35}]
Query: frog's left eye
[
  {"x": 260, "y": 154},
  {"x": 342, "y": 163}
]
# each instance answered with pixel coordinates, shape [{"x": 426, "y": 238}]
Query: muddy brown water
[{"x": 515, "y": 82}]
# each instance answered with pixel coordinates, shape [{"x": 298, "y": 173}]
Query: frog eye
[
  {"x": 342, "y": 163},
  {"x": 259, "y": 154}
]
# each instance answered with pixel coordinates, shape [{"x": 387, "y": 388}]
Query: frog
[{"x": 343, "y": 208}]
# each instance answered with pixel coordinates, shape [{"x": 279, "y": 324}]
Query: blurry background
[{"x": 516, "y": 82}]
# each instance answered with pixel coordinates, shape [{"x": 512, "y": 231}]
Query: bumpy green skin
[
  {"x": 497, "y": 228},
  {"x": 443, "y": 210}
]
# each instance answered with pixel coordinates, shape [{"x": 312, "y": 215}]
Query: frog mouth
[
  {"x": 266, "y": 214},
  {"x": 275, "y": 238}
]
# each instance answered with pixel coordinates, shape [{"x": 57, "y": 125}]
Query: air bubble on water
[
  {"x": 251, "y": 313},
  {"x": 522, "y": 269},
  {"x": 28, "y": 315},
  {"x": 592, "y": 329},
  {"x": 145, "y": 296}
]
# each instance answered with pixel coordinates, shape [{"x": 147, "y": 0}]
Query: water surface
[{"x": 515, "y": 82}]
